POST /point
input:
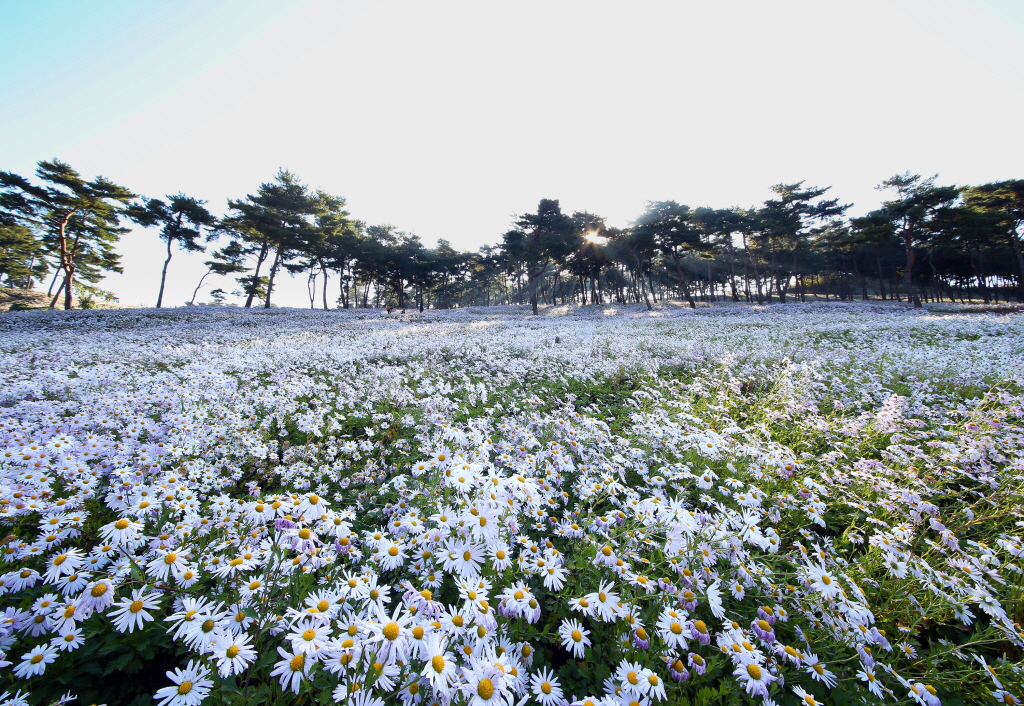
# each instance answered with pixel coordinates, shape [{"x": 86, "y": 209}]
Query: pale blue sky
[{"x": 447, "y": 117}]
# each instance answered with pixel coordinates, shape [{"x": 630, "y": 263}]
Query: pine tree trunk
[
  {"x": 273, "y": 273},
  {"x": 863, "y": 280},
  {"x": 982, "y": 279},
  {"x": 1019, "y": 261},
  {"x": 532, "y": 283},
  {"x": 68, "y": 283},
  {"x": 163, "y": 275},
  {"x": 684, "y": 281},
  {"x": 56, "y": 276},
  {"x": 643, "y": 286},
  {"x": 198, "y": 286},
  {"x": 256, "y": 275},
  {"x": 56, "y": 297},
  {"x": 732, "y": 270},
  {"x": 323, "y": 269},
  {"x": 908, "y": 273},
  {"x": 66, "y": 260}
]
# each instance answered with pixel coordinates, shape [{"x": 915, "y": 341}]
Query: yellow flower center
[
  {"x": 485, "y": 689},
  {"x": 676, "y": 628},
  {"x": 232, "y": 652},
  {"x": 121, "y": 524},
  {"x": 437, "y": 663},
  {"x": 308, "y": 635},
  {"x": 754, "y": 671},
  {"x": 297, "y": 663},
  {"x": 391, "y": 631},
  {"x": 136, "y": 606},
  {"x": 304, "y": 533}
]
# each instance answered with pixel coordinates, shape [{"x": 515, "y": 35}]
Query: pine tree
[
  {"x": 79, "y": 219},
  {"x": 181, "y": 219}
]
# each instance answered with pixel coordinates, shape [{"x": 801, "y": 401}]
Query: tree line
[{"x": 925, "y": 242}]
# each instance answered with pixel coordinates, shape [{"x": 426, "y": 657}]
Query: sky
[{"x": 447, "y": 118}]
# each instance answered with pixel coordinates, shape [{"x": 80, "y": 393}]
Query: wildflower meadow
[{"x": 789, "y": 504}]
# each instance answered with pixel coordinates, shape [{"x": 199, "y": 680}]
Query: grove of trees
[{"x": 927, "y": 242}]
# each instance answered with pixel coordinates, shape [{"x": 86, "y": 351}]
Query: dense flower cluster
[{"x": 477, "y": 507}]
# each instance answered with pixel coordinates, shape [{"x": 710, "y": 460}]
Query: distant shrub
[{"x": 23, "y": 306}]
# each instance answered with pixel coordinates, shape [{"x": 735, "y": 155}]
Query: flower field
[{"x": 801, "y": 504}]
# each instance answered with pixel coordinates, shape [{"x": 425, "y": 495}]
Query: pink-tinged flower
[{"x": 763, "y": 629}]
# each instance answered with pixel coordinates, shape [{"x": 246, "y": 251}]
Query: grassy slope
[{"x": 9, "y": 296}]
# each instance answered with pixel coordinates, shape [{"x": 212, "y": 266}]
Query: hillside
[
  {"x": 38, "y": 299},
  {"x": 34, "y": 298}
]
